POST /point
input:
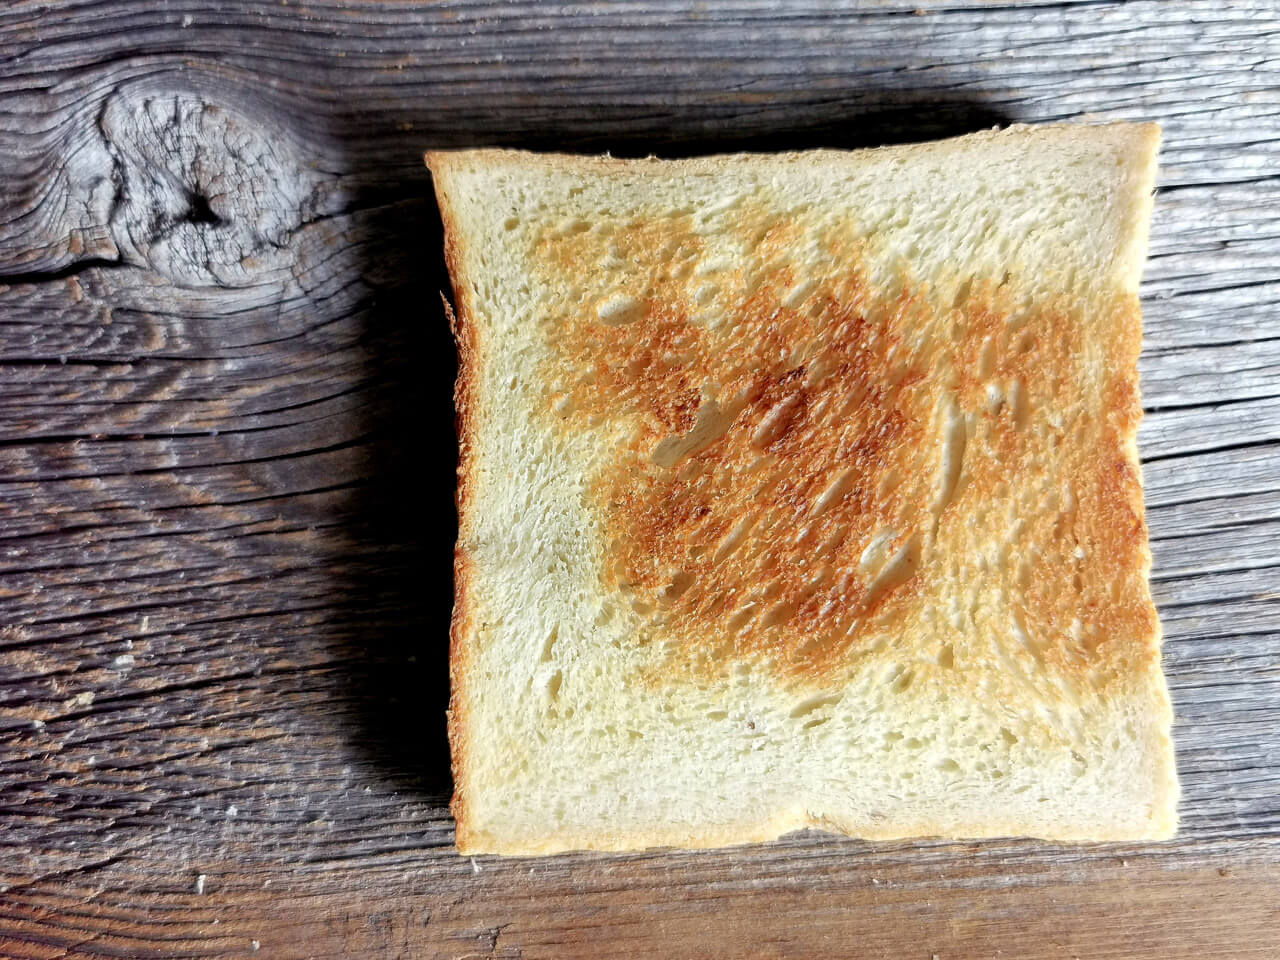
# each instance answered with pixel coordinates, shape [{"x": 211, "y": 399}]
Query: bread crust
[
  {"x": 462, "y": 624},
  {"x": 728, "y": 835}
]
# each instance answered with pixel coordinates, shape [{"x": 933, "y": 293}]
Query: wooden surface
[{"x": 226, "y": 468}]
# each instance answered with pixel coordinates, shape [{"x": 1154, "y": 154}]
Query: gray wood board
[{"x": 226, "y": 457}]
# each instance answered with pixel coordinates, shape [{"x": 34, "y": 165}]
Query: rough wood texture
[{"x": 224, "y": 573}]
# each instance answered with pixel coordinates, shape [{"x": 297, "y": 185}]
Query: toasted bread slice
[{"x": 801, "y": 490}]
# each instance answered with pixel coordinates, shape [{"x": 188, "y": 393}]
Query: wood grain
[{"x": 226, "y": 462}]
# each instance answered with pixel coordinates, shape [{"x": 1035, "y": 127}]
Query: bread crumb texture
[{"x": 803, "y": 490}]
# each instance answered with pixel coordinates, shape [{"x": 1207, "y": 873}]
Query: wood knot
[{"x": 207, "y": 195}]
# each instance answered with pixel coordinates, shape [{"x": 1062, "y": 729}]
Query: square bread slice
[{"x": 802, "y": 490}]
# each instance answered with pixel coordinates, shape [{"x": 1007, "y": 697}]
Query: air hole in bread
[
  {"x": 987, "y": 358},
  {"x": 742, "y": 617},
  {"x": 711, "y": 422},
  {"x": 777, "y": 421},
  {"x": 833, "y": 493},
  {"x": 778, "y": 615},
  {"x": 808, "y": 706},
  {"x": 797, "y": 294},
  {"x": 1024, "y": 574},
  {"x": 679, "y": 585},
  {"x": 1024, "y": 637},
  {"x": 955, "y": 429},
  {"x": 619, "y": 308},
  {"x": 900, "y": 568},
  {"x": 1018, "y": 401}
]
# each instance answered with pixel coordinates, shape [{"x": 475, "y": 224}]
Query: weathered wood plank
[
  {"x": 862, "y": 917},
  {"x": 223, "y": 583}
]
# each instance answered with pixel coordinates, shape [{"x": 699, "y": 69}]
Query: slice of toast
[{"x": 802, "y": 490}]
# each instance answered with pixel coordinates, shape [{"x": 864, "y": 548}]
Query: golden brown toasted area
[{"x": 810, "y": 461}]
